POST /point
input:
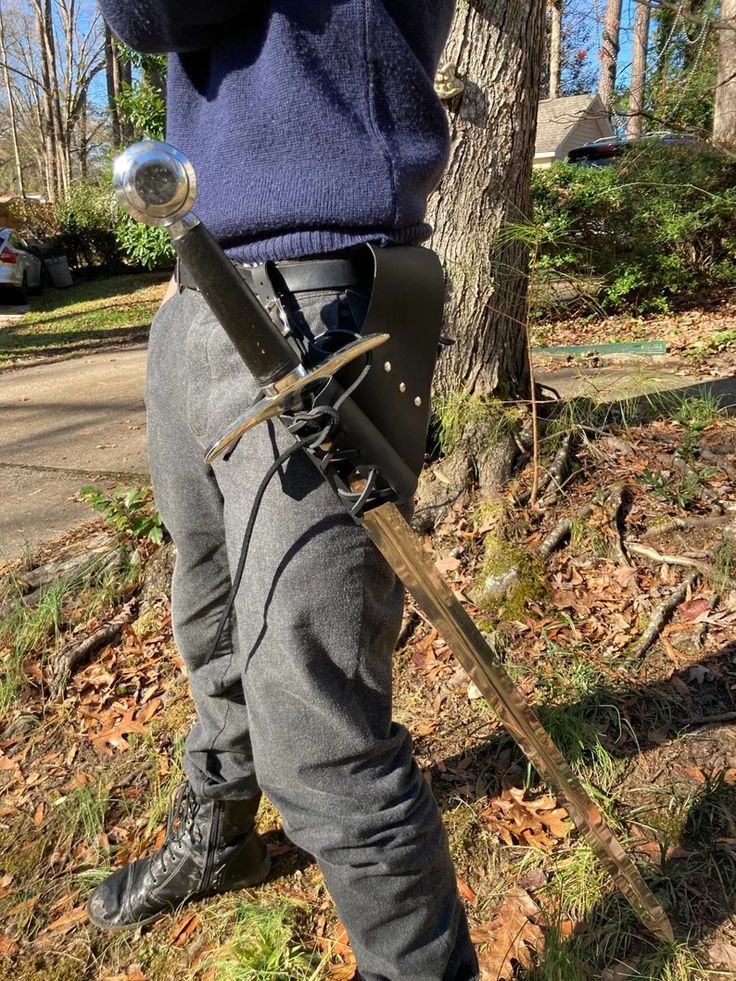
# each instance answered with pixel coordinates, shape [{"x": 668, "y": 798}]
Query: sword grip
[
  {"x": 257, "y": 339},
  {"x": 156, "y": 184}
]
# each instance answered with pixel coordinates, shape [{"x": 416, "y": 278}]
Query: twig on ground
[
  {"x": 662, "y": 559},
  {"x": 72, "y": 657},
  {"x": 663, "y": 612},
  {"x": 707, "y": 720}
]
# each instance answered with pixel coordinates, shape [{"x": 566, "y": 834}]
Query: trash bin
[{"x": 58, "y": 269}]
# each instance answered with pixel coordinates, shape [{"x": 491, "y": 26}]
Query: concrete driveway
[
  {"x": 82, "y": 421},
  {"x": 64, "y": 425}
]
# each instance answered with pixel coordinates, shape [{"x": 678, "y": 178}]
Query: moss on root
[{"x": 508, "y": 579}]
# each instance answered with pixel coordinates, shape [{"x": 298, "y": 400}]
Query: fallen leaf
[
  {"x": 466, "y": 892},
  {"x": 692, "y": 610},
  {"x": 68, "y": 920},
  {"x": 510, "y": 937},
  {"x": 447, "y": 564},
  {"x": 342, "y": 972},
  {"x": 526, "y": 822},
  {"x": 183, "y": 930},
  {"x": 8, "y": 946}
]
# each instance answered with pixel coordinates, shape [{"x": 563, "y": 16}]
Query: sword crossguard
[{"x": 284, "y": 394}]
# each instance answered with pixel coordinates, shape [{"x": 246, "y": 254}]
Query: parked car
[
  {"x": 608, "y": 149},
  {"x": 20, "y": 270}
]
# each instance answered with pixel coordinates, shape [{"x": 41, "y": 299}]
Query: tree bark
[
  {"x": 480, "y": 215},
  {"x": 609, "y": 52},
  {"x": 555, "y": 48},
  {"x": 11, "y": 110},
  {"x": 724, "y": 119},
  {"x": 62, "y": 147},
  {"x": 484, "y": 196},
  {"x": 638, "y": 71},
  {"x": 49, "y": 130},
  {"x": 117, "y": 74}
]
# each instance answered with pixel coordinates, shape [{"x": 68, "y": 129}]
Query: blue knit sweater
[{"x": 312, "y": 124}]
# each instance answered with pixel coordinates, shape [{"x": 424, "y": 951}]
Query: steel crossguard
[{"x": 155, "y": 183}]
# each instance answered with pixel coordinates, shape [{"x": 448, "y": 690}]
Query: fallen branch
[
  {"x": 663, "y": 612},
  {"x": 72, "y": 657},
  {"x": 662, "y": 559},
  {"x": 707, "y": 720}
]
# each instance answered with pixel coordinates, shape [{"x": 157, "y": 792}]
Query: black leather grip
[{"x": 267, "y": 353}]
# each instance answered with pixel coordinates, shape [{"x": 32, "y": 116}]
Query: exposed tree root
[
  {"x": 74, "y": 656},
  {"x": 682, "y": 524},
  {"x": 551, "y": 542},
  {"x": 663, "y": 612},
  {"x": 707, "y": 720},
  {"x": 77, "y": 565},
  {"x": 558, "y": 470},
  {"x": 616, "y": 500},
  {"x": 662, "y": 559}
]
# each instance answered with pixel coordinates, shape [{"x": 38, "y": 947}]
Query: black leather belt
[{"x": 297, "y": 276}]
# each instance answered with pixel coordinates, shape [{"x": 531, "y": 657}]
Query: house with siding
[{"x": 566, "y": 123}]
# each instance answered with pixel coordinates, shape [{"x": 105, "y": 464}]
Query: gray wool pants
[{"x": 296, "y": 700}]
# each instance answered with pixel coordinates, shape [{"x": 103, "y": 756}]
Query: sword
[{"x": 157, "y": 185}]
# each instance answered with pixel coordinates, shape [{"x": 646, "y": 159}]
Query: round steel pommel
[{"x": 154, "y": 183}]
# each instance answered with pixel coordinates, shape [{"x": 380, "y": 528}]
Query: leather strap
[{"x": 294, "y": 277}]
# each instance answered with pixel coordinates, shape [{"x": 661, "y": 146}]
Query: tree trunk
[
  {"x": 609, "y": 52},
  {"x": 724, "y": 119},
  {"x": 118, "y": 74},
  {"x": 62, "y": 148},
  {"x": 480, "y": 215},
  {"x": 485, "y": 196},
  {"x": 49, "y": 130},
  {"x": 555, "y": 48},
  {"x": 638, "y": 71},
  {"x": 11, "y": 110}
]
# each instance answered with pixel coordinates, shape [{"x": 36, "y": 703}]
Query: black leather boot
[{"x": 210, "y": 847}]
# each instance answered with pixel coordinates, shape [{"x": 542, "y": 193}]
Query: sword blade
[{"x": 400, "y": 547}]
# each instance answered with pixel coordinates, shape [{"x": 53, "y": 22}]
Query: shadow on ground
[{"x": 675, "y": 741}]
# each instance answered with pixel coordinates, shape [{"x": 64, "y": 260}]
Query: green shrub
[
  {"x": 87, "y": 217},
  {"x": 143, "y": 245},
  {"x": 130, "y": 511},
  {"x": 661, "y": 222}
]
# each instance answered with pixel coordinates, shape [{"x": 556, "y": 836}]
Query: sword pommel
[{"x": 155, "y": 183}]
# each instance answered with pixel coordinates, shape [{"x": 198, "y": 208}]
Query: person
[{"x": 313, "y": 129}]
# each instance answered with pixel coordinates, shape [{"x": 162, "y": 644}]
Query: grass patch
[
  {"x": 24, "y": 630},
  {"x": 82, "y": 811},
  {"x": 262, "y": 946},
  {"x": 89, "y": 315}
]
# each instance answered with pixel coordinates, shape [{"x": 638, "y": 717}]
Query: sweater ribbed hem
[{"x": 294, "y": 245}]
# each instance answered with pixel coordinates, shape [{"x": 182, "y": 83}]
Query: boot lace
[{"x": 179, "y": 824}]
